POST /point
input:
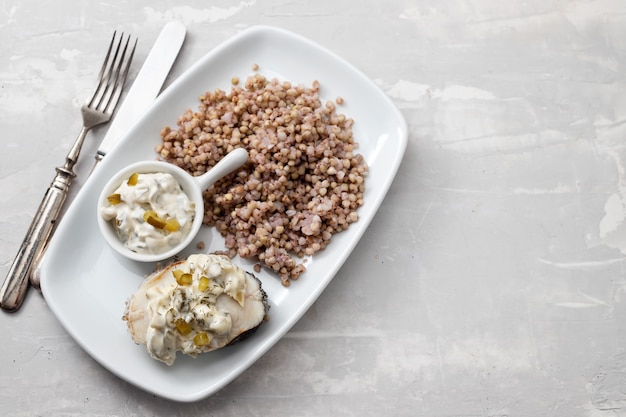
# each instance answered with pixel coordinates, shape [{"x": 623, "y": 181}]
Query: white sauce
[
  {"x": 210, "y": 311},
  {"x": 158, "y": 192}
]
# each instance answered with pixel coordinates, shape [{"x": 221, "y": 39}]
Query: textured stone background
[{"x": 490, "y": 283}]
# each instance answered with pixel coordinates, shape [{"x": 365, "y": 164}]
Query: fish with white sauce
[
  {"x": 194, "y": 306},
  {"x": 150, "y": 212}
]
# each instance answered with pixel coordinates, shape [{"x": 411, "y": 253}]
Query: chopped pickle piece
[
  {"x": 185, "y": 279},
  {"x": 201, "y": 339},
  {"x": 149, "y": 213},
  {"x": 114, "y": 199},
  {"x": 182, "y": 326},
  {"x": 133, "y": 179},
  {"x": 172, "y": 225},
  {"x": 182, "y": 277},
  {"x": 157, "y": 222},
  {"x": 203, "y": 283},
  {"x": 154, "y": 220}
]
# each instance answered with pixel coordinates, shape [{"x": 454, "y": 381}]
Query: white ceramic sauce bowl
[{"x": 192, "y": 186}]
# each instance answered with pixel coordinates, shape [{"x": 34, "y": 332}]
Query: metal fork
[{"x": 97, "y": 110}]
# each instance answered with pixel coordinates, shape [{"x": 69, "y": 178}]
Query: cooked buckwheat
[{"x": 303, "y": 182}]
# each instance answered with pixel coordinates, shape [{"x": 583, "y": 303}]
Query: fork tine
[
  {"x": 112, "y": 74},
  {"x": 120, "y": 78},
  {"x": 104, "y": 74}
]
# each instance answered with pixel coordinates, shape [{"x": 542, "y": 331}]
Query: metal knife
[
  {"x": 146, "y": 86},
  {"x": 144, "y": 90}
]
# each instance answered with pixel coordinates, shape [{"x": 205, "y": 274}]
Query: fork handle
[{"x": 15, "y": 285}]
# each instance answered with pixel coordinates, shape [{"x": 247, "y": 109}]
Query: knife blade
[{"x": 145, "y": 88}]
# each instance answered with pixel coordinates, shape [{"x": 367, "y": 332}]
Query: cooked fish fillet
[{"x": 195, "y": 305}]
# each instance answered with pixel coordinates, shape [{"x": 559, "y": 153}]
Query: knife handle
[
  {"x": 15, "y": 284},
  {"x": 98, "y": 158},
  {"x": 35, "y": 271}
]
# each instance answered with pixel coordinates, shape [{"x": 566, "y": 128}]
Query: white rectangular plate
[{"x": 86, "y": 284}]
